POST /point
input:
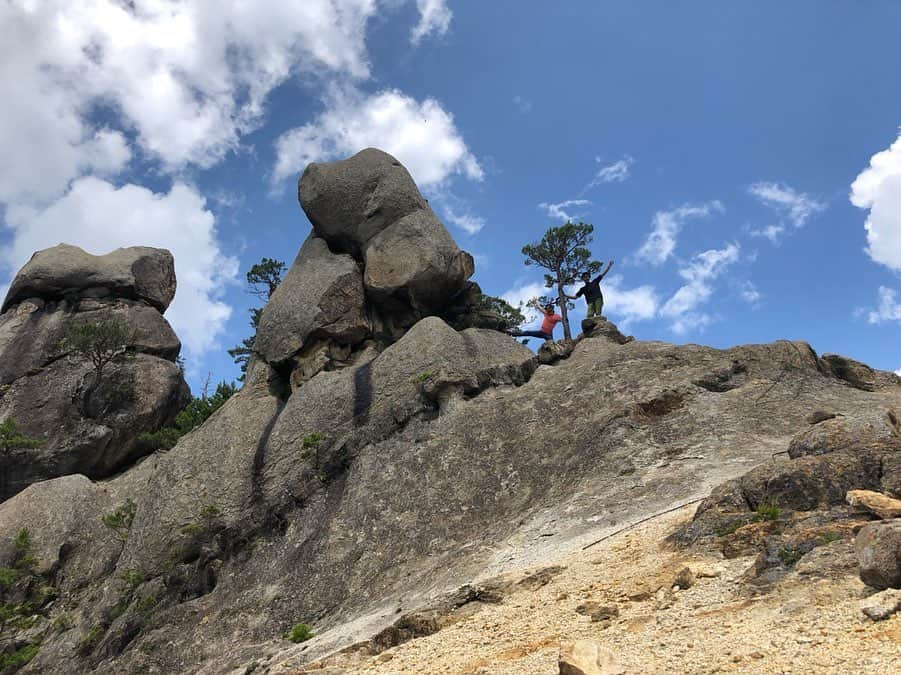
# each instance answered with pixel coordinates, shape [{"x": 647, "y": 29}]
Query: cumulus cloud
[
  {"x": 100, "y": 217},
  {"x": 796, "y": 207},
  {"x": 878, "y": 189},
  {"x": 629, "y": 304},
  {"x": 563, "y": 210},
  {"x": 186, "y": 78},
  {"x": 434, "y": 17},
  {"x": 888, "y": 309},
  {"x": 750, "y": 294},
  {"x": 519, "y": 295},
  {"x": 661, "y": 242},
  {"x": 617, "y": 172},
  {"x": 683, "y": 306},
  {"x": 422, "y": 135},
  {"x": 465, "y": 221}
]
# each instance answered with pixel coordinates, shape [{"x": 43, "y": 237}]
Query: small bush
[
  {"x": 151, "y": 441},
  {"x": 121, "y": 519},
  {"x": 768, "y": 511},
  {"x": 423, "y": 376},
  {"x": 91, "y": 639},
  {"x": 789, "y": 555},
  {"x": 8, "y": 577},
  {"x": 829, "y": 537},
  {"x": 300, "y": 632},
  {"x": 63, "y": 622},
  {"x": 131, "y": 578},
  {"x": 11, "y": 438},
  {"x": 311, "y": 441},
  {"x": 13, "y": 661},
  {"x": 23, "y": 559}
]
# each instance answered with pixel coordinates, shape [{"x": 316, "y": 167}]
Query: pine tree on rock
[
  {"x": 263, "y": 278},
  {"x": 563, "y": 251}
]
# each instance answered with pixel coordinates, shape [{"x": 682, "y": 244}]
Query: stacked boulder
[
  {"x": 75, "y": 422},
  {"x": 378, "y": 260}
]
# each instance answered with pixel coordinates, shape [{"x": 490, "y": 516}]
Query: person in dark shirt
[{"x": 591, "y": 290}]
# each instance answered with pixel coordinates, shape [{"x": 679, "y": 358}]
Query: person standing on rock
[
  {"x": 551, "y": 319},
  {"x": 591, "y": 290}
]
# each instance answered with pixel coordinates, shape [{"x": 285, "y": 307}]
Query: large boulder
[
  {"x": 321, "y": 297},
  {"x": 369, "y": 206},
  {"x": 879, "y": 554},
  {"x": 84, "y": 423},
  {"x": 65, "y": 271},
  {"x": 350, "y": 201},
  {"x": 416, "y": 260},
  {"x": 876, "y": 430}
]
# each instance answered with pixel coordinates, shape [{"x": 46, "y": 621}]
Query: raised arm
[{"x": 604, "y": 273}]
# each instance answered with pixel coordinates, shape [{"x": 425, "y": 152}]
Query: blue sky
[{"x": 740, "y": 161}]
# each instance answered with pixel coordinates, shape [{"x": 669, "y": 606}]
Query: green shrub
[
  {"x": 11, "y": 438},
  {"x": 13, "y": 661},
  {"x": 789, "y": 555},
  {"x": 23, "y": 559},
  {"x": 151, "y": 441},
  {"x": 829, "y": 537},
  {"x": 8, "y": 577},
  {"x": 300, "y": 632},
  {"x": 131, "y": 578},
  {"x": 91, "y": 639},
  {"x": 312, "y": 441},
  {"x": 63, "y": 622},
  {"x": 768, "y": 511},
  {"x": 121, "y": 519}
]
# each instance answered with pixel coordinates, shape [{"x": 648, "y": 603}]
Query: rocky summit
[{"x": 394, "y": 473}]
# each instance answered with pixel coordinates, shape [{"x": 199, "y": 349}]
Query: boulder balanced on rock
[
  {"x": 378, "y": 260},
  {"x": 84, "y": 423}
]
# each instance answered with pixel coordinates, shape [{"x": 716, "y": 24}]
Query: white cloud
[
  {"x": 524, "y": 105},
  {"x": 750, "y": 294},
  {"x": 561, "y": 210},
  {"x": 661, "y": 242},
  {"x": 186, "y": 78},
  {"x": 888, "y": 310},
  {"x": 797, "y": 207},
  {"x": 772, "y": 232},
  {"x": 100, "y": 217},
  {"x": 518, "y": 296},
  {"x": 898, "y": 372},
  {"x": 682, "y": 307},
  {"x": 629, "y": 304},
  {"x": 617, "y": 172},
  {"x": 422, "y": 135},
  {"x": 434, "y": 17},
  {"x": 465, "y": 221},
  {"x": 878, "y": 188}
]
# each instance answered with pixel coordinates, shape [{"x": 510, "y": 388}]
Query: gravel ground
[{"x": 806, "y": 625}]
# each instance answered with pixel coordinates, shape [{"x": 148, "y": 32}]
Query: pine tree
[
  {"x": 563, "y": 251},
  {"x": 263, "y": 278}
]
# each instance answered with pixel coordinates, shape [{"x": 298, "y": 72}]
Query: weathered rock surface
[
  {"x": 409, "y": 474},
  {"x": 599, "y": 326},
  {"x": 877, "y": 430},
  {"x": 369, "y": 206},
  {"x": 320, "y": 298},
  {"x": 52, "y": 394},
  {"x": 879, "y": 554},
  {"x": 586, "y": 657},
  {"x": 880, "y": 606},
  {"x": 66, "y": 272},
  {"x": 351, "y": 201},
  {"x": 875, "y": 502}
]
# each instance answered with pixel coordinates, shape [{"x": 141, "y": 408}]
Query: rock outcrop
[
  {"x": 379, "y": 458},
  {"x": 84, "y": 424},
  {"x": 378, "y": 260}
]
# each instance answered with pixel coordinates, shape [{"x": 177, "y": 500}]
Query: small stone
[
  {"x": 685, "y": 579},
  {"x": 585, "y": 657},
  {"x": 605, "y": 613},
  {"x": 882, "y": 605}
]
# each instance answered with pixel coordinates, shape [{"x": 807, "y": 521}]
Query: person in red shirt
[{"x": 551, "y": 319}]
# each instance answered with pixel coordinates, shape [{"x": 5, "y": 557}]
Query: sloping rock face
[
  {"x": 85, "y": 426},
  {"x": 363, "y": 473}
]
